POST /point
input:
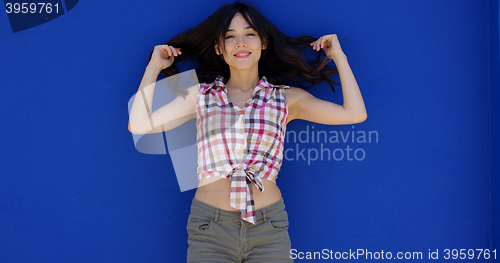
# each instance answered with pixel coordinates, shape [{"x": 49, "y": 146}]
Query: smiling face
[{"x": 242, "y": 48}]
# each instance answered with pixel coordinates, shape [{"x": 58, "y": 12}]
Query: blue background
[{"x": 74, "y": 189}]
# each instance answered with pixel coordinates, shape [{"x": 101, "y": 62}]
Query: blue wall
[
  {"x": 74, "y": 189},
  {"x": 494, "y": 30}
]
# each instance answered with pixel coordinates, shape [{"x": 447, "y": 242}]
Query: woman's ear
[{"x": 217, "y": 51}]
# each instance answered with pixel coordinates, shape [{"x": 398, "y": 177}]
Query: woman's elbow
[
  {"x": 136, "y": 130},
  {"x": 131, "y": 131},
  {"x": 359, "y": 118}
]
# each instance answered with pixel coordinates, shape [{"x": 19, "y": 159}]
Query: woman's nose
[{"x": 241, "y": 42}]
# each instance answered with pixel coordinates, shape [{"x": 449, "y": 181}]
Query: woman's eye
[
  {"x": 251, "y": 34},
  {"x": 228, "y": 37}
]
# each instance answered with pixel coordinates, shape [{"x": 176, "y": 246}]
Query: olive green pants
[{"x": 216, "y": 235}]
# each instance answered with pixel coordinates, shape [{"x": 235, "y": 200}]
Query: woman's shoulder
[
  {"x": 204, "y": 87},
  {"x": 192, "y": 93},
  {"x": 295, "y": 94}
]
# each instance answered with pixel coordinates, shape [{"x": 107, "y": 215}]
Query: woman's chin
[{"x": 243, "y": 66}]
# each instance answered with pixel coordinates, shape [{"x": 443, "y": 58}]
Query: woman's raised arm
[
  {"x": 141, "y": 119},
  {"x": 306, "y": 106}
]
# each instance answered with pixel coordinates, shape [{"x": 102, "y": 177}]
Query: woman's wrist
[
  {"x": 337, "y": 55},
  {"x": 154, "y": 67}
]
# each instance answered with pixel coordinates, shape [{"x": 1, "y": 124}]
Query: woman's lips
[{"x": 242, "y": 54}]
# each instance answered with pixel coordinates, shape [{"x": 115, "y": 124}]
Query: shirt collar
[{"x": 219, "y": 82}]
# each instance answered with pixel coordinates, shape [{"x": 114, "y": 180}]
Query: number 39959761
[{"x": 32, "y": 8}]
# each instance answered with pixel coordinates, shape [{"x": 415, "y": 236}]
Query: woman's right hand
[{"x": 163, "y": 56}]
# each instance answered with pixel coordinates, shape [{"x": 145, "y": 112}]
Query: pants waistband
[{"x": 217, "y": 213}]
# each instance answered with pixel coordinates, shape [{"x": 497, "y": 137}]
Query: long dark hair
[{"x": 281, "y": 59}]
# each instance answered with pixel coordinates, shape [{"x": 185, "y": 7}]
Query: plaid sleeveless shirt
[{"x": 244, "y": 145}]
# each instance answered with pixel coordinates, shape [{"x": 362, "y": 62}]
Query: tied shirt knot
[{"x": 241, "y": 197}]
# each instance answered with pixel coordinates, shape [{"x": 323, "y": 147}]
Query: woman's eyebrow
[{"x": 248, "y": 27}]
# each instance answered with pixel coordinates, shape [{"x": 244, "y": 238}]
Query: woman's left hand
[{"x": 329, "y": 43}]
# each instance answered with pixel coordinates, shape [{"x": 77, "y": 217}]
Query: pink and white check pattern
[{"x": 244, "y": 145}]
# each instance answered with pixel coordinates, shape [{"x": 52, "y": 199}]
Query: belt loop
[
  {"x": 216, "y": 215},
  {"x": 264, "y": 214}
]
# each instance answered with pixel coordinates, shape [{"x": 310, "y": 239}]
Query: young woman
[{"x": 242, "y": 107}]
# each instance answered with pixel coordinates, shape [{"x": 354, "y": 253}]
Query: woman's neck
[{"x": 244, "y": 80}]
